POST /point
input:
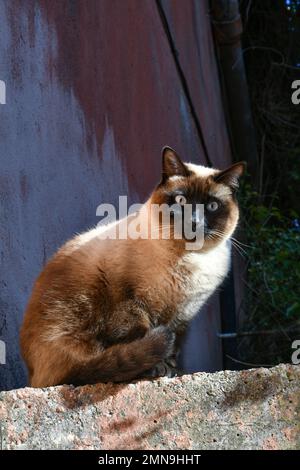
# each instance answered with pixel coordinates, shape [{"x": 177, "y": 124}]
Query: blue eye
[{"x": 212, "y": 206}]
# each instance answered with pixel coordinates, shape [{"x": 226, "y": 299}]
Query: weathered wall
[
  {"x": 93, "y": 93},
  {"x": 254, "y": 409}
]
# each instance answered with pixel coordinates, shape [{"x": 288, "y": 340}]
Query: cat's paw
[{"x": 165, "y": 368}]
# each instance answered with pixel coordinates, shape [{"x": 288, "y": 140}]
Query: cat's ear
[
  {"x": 231, "y": 175},
  {"x": 172, "y": 164}
]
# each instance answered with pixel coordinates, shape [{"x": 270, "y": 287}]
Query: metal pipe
[
  {"x": 234, "y": 334},
  {"x": 227, "y": 26}
]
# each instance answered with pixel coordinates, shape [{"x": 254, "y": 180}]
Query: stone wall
[{"x": 253, "y": 409}]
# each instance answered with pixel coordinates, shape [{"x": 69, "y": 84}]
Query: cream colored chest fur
[{"x": 204, "y": 272}]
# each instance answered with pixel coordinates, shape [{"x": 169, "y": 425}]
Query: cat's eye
[
  {"x": 180, "y": 199},
  {"x": 212, "y": 206}
]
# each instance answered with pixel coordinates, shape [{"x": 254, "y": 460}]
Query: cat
[{"x": 113, "y": 310}]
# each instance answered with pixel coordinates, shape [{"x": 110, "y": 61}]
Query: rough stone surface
[{"x": 253, "y": 409}]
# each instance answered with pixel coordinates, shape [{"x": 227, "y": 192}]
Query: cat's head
[{"x": 214, "y": 191}]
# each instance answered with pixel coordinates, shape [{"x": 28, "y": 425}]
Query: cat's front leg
[{"x": 168, "y": 367}]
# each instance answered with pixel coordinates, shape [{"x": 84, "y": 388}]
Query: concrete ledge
[{"x": 253, "y": 409}]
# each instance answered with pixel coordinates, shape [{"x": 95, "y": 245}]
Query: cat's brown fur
[{"x": 109, "y": 310}]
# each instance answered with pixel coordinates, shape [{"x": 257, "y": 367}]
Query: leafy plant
[
  {"x": 271, "y": 210},
  {"x": 272, "y": 284}
]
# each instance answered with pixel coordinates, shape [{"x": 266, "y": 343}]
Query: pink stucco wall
[{"x": 93, "y": 93}]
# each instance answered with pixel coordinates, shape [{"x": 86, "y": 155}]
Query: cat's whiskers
[
  {"x": 240, "y": 243},
  {"x": 234, "y": 241}
]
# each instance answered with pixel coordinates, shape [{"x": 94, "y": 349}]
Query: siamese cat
[{"x": 113, "y": 309}]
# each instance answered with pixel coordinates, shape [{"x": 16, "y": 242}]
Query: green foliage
[
  {"x": 271, "y": 44},
  {"x": 273, "y": 274},
  {"x": 274, "y": 257}
]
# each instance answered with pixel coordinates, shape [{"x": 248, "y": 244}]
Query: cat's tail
[{"x": 126, "y": 361}]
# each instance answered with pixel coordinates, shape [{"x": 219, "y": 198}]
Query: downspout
[{"x": 228, "y": 28}]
